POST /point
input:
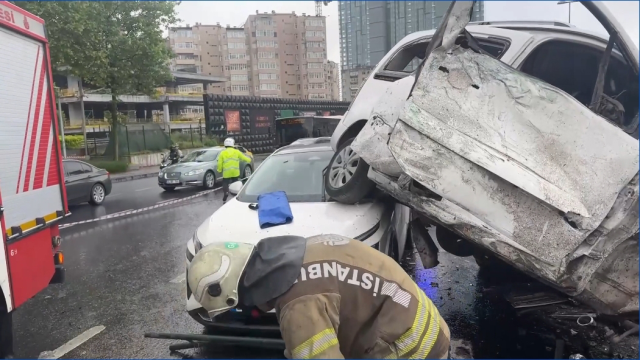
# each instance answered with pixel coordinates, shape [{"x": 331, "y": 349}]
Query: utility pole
[
  {"x": 61, "y": 120},
  {"x": 567, "y": 2},
  {"x": 84, "y": 120}
]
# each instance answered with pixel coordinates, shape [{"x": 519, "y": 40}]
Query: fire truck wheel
[{"x": 97, "y": 194}]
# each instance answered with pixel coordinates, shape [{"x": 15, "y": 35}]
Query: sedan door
[{"x": 77, "y": 181}]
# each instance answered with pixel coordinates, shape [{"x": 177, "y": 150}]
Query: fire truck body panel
[{"x": 32, "y": 191}]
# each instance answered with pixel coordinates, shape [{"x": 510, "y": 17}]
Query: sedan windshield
[
  {"x": 200, "y": 156},
  {"x": 299, "y": 175}
]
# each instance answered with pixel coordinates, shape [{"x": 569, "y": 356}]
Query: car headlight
[
  {"x": 160, "y": 174},
  {"x": 197, "y": 245},
  {"x": 194, "y": 172}
]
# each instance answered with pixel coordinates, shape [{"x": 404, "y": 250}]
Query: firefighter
[
  {"x": 229, "y": 165},
  {"x": 334, "y": 297}
]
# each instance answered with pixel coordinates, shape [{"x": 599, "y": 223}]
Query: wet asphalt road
[{"x": 125, "y": 274}]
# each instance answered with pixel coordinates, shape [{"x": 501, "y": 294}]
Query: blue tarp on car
[{"x": 274, "y": 209}]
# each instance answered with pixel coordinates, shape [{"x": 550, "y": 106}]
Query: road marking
[
  {"x": 164, "y": 201},
  {"x": 145, "y": 189},
  {"x": 180, "y": 278},
  {"x": 72, "y": 344},
  {"x": 157, "y": 205}
]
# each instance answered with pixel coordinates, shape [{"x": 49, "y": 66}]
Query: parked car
[
  {"x": 532, "y": 159},
  {"x": 298, "y": 171},
  {"x": 199, "y": 168},
  {"x": 85, "y": 182}
]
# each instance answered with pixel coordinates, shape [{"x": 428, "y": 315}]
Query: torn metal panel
[
  {"x": 371, "y": 142},
  {"x": 523, "y": 130},
  {"x": 507, "y": 209},
  {"x": 446, "y": 213}
]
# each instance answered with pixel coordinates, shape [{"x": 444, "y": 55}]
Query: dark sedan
[{"x": 85, "y": 182}]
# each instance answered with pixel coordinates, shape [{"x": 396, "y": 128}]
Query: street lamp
[{"x": 567, "y": 2}]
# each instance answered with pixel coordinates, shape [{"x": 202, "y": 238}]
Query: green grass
[{"x": 113, "y": 167}]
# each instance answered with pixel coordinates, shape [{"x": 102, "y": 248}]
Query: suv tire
[{"x": 349, "y": 183}]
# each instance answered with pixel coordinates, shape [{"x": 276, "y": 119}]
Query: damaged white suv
[{"x": 517, "y": 140}]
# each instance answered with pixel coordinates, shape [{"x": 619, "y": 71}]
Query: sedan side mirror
[{"x": 235, "y": 188}]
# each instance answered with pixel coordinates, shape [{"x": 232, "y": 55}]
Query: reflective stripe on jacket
[
  {"x": 352, "y": 301},
  {"x": 229, "y": 162}
]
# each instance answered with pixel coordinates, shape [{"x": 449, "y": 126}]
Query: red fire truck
[{"x": 32, "y": 192}]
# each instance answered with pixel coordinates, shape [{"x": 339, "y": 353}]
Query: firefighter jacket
[
  {"x": 229, "y": 162},
  {"x": 351, "y": 301}
]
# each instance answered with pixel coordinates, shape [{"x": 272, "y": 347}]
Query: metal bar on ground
[{"x": 221, "y": 340}]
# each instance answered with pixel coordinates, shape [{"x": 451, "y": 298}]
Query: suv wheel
[{"x": 346, "y": 178}]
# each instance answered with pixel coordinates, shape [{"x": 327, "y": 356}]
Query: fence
[{"x": 134, "y": 139}]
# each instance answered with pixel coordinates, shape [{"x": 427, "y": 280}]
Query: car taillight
[{"x": 108, "y": 175}]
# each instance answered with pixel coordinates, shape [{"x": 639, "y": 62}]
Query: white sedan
[{"x": 298, "y": 171}]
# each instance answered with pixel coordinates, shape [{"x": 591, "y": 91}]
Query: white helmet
[
  {"x": 215, "y": 272},
  {"x": 229, "y": 142}
]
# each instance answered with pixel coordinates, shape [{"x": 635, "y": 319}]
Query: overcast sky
[{"x": 235, "y": 13}]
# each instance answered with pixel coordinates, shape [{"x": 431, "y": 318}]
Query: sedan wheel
[
  {"x": 209, "y": 180},
  {"x": 97, "y": 194}
]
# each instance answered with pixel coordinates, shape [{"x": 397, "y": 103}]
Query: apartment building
[
  {"x": 272, "y": 55},
  {"x": 369, "y": 29}
]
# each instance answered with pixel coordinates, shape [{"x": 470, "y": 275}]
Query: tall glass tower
[{"x": 369, "y": 29}]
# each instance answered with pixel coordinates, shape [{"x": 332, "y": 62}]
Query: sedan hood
[
  {"x": 236, "y": 222},
  {"x": 183, "y": 167}
]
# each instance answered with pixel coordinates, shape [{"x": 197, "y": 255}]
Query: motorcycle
[{"x": 167, "y": 161}]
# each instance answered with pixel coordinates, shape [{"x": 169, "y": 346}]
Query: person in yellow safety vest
[
  {"x": 334, "y": 297},
  {"x": 229, "y": 165}
]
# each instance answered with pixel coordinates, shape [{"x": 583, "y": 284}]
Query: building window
[
  {"x": 181, "y": 33},
  {"x": 187, "y": 45},
  {"x": 266, "y": 55},
  {"x": 265, "y": 22},
  {"x": 236, "y": 45},
  {"x": 236, "y": 67},
  {"x": 313, "y": 33},
  {"x": 313, "y": 22},
  {"x": 236, "y": 56},
  {"x": 269, "y": 87},
  {"x": 265, "y": 33},
  {"x": 268, "y": 76},
  {"x": 317, "y": 86},
  {"x": 186, "y": 57},
  {"x": 239, "y": 87},
  {"x": 235, "y": 34},
  {"x": 316, "y": 75},
  {"x": 262, "y": 43},
  {"x": 239, "y": 77},
  {"x": 314, "y": 44},
  {"x": 267, "y": 65},
  {"x": 315, "y": 55},
  {"x": 317, "y": 96}
]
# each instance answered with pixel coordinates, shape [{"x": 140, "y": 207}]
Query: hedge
[
  {"x": 113, "y": 167},
  {"x": 73, "y": 141}
]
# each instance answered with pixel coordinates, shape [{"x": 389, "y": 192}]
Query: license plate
[{"x": 173, "y": 181}]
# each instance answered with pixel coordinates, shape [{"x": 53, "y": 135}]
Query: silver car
[{"x": 199, "y": 168}]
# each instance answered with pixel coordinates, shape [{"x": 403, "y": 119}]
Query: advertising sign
[
  {"x": 261, "y": 121},
  {"x": 232, "y": 118}
]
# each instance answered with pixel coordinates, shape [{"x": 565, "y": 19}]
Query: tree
[{"x": 116, "y": 45}]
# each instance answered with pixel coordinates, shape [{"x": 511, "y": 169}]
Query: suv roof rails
[{"x": 523, "y": 22}]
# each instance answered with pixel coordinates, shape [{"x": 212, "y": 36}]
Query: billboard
[
  {"x": 261, "y": 121},
  {"x": 232, "y": 118}
]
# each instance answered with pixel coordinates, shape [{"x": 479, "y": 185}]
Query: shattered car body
[{"x": 516, "y": 166}]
